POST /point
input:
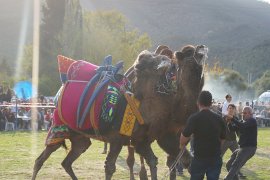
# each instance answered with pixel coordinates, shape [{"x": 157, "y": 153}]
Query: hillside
[
  {"x": 232, "y": 29},
  {"x": 236, "y": 31}
]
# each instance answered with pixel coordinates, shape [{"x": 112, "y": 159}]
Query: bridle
[{"x": 168, "y": 84}]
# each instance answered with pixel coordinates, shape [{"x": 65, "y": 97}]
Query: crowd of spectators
[
  {"x": 261, "y": 111},
  {"x": 16, "y": 114}
]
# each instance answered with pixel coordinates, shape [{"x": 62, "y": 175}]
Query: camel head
[
  {"x": 149, "y": 68},
  {"x": 189, "y": 80},
  {"x": 190, "y": 62}
]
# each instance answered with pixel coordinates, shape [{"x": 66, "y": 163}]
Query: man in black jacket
[
  {"x": 247, "y": 142},
  {"x": 208, "y": 131}
]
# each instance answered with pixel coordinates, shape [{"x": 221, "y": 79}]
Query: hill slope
[
  {"x": 236, "y": 31},
  {"x": 231, "y": 28}
]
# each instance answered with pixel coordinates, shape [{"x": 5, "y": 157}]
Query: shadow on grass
[
  {"x": 121, "y": 161},
  {"x": 263, "y": 155},
  {"x": 250, "y": 174}
]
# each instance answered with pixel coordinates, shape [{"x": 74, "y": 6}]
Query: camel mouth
[
  {"x": 166, "y": 63},
  {"x": 202, "y": 52}
]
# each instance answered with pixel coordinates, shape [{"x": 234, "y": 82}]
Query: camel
[
  {"x": 190, "y": 61},
  {"x": 155, "y": 108},
  {"x": 80, "y": 143},
  {"x": 130, "y": 74}
]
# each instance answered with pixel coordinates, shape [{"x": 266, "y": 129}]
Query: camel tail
[{"x": 64, "y": 145}]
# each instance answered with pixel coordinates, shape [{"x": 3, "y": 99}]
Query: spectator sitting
[{"x": 9, "y": 115}]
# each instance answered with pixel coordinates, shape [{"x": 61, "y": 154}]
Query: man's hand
[
  {"x": 228, "y": 118},
  {"x": 182, "y": 146},
  {"x": 183, "y": 141}
]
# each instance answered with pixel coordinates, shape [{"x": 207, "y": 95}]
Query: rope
[
  {"x": 21, "y": 105},
  {"x": 171, "y": 168}
]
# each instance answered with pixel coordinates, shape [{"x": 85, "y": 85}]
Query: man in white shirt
[{"x": 225, "y": 104}]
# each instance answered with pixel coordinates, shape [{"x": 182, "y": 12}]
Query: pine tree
[{"x": 53, "y": 13}]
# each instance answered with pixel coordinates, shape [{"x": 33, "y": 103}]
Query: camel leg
[
  {"x": 170, "y": 161},
  {"x": 170, "y": 144},
  {"x": 143, "y": 172},
  {"x": 79, "y": 145},
  {"x": 43, "y": 157},
  {"x": 130, "y": 161},
  {"x": 115, "y": 148},
  {"x": 145, "y": 150}
]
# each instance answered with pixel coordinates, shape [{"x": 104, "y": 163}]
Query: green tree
[
  {"x": 106, "y": 32},
  {"x": 90, "y": 36},
  {"x": 6, "y": 72},
  {"x": 263, "y": 83},
  {"x": 26, "y": 72},
  {"x": 234, "y": 80},
  {"x": 53, "y": 13},
  {"x": 71, "y": 36},
  {"x": 226, "y": 81},
  {"x": 60, "y": 33}
]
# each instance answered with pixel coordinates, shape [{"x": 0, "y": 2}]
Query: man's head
[
  {"x": 228, "y": 97},
  {"x": 247, "y": 112},
  {"x": 205, "y": 99},
  {"x": 219, "y": 105},
  {"x": 231, "y": 109}
]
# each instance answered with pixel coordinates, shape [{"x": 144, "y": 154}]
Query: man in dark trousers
[
  {"x": 208, "y": 131},
  {"x": 247, "y": 142}
]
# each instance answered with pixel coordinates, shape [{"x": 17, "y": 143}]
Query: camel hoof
[{"x": 143, "y": 174}]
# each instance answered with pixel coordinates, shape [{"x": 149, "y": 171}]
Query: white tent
[{"x": 265, "y": 97}]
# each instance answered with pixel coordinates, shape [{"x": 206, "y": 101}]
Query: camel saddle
[{"x": 92, "y": 101}]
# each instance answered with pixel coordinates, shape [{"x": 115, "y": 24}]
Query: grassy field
[{"x": 18, "y": 151}]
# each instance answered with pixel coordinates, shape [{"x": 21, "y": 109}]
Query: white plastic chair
[{"x": 10, "y": 126}]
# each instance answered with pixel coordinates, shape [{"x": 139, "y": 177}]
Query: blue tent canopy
[{"x": 23, "y": 90}]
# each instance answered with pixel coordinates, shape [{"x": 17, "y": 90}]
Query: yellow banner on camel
[{"x": 131, "y": 114}]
